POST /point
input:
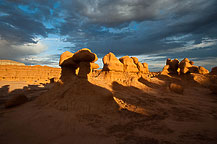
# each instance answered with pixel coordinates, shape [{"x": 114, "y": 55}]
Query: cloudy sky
[{"x": 38, "y": 31}]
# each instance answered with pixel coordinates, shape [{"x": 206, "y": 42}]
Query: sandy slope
[{"x": 150, "y": 114}]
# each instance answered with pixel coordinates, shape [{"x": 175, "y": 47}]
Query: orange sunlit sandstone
[
  {"x": 122, "y": 95},
  {"x": 28, "y": 73}
]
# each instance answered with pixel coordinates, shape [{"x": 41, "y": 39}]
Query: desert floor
[{"x": 171, "y": 118}]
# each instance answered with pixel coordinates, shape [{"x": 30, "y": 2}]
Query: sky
[{"x": 36, "y": 32}]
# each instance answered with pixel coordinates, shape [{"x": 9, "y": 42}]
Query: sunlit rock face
[
  {"x": 32, "y": 74},
  {"x": 10, "y": 62},
  {"x": 111, "y": 63}
]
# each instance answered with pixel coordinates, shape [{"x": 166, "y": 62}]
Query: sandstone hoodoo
[
  {"x": 111, "y": 63},
  {"x": 77, "y": 93},
  {"x": 121, "y": 103},
  {"x": 80, "y": 63},
  {"x": 129, "y": 65},
  {"x": 184, "y": 67}
]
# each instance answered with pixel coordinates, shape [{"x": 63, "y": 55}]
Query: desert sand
[{"x": 123, "y": 103}]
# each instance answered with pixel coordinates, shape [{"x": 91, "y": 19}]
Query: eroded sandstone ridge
[
  {"x": 10, "y": 62},
  {"x": 28, "y": 73}
]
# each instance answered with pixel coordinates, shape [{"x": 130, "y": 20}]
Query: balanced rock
[
  {"x": 129, "y": 65},
  {"x": 84, "y": 55},
  {"x": 111, "y": 63}
]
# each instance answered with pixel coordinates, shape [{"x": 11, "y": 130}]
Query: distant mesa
[
  {"x": 10, "y": 62},
  {"x": 15, "y": 71}
]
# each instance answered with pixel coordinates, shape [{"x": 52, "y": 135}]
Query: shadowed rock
[
  {"x": 214, "y": 71},
  {"x": 84, "y": 70},
  {"x": 176, "y": 88},
  {"x": 16, "y": 100},
  {"x": 68, "y": 66},
  {"x": 84, "y": 55}
]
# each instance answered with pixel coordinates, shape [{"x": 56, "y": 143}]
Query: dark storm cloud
[
  {"x": 125, "y": 27},
  {"x": 89, "y": 24}
]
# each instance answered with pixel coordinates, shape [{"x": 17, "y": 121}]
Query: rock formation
[
  {"x": 10, "y": 62},
  {"x": 183, "y": 67},
  {"x": 32, "y": 74},
  {"x": 16, "y": 100},
  {"x": 111, "y": 63},
  {"x": 214, "y": 71},
  {"x": 176, "y": 88},
  {"x": 78, "y": 64},
  {"x": 129, "y": 65}
]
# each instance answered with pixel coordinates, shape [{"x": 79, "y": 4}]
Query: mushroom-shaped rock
[
  {"x": 66, "y": 59},
  {"x": 202, "y": 70},
  {"x": 129, "y": 65},
  {"x": 68, "y": 66},
  {"x": 84, "y": 55},
  {"x": 111, "y": 63}
]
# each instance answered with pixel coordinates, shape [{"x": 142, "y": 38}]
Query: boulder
[
  {"x": 165, "y": 70},
  {"x": 16, "y": 100},
  {"x": 202, "y": 70},
  {"x": 176, "y": 88},
  {"x": 111, "y": 63},
  {"x": 214, "y": 71},
  {"x": 129, "y": 65},
  {"x": 191, "y": 62},
  {"x": 94, "y": 66},
  {"x": 84, "y": 55}
]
